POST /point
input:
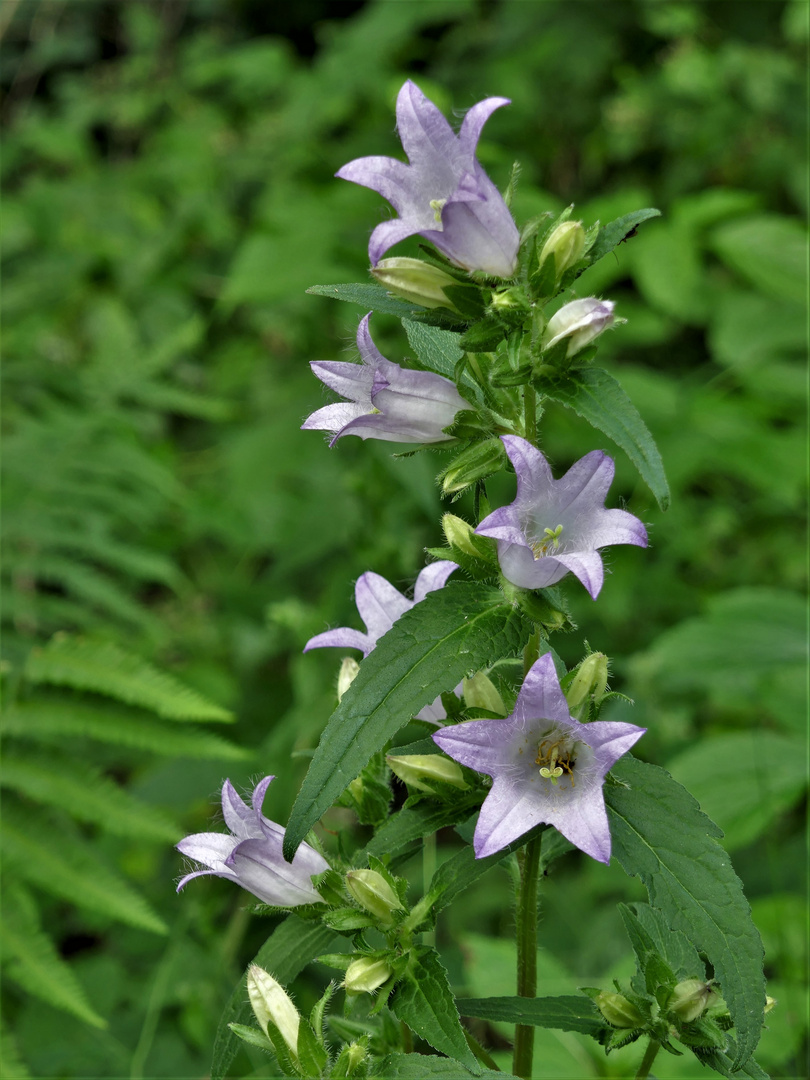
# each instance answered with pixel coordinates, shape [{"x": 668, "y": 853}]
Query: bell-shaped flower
[
  {"x": 380, "y": 605},
  {"x": 546, "y": 767},
  {"x": 250, "y": 854},
  {"x": 580, "y": 321},
  {"x": 385, "y": 401},
  {"x": 557, "y": 526},
  {"x": 443, "y": 193}
]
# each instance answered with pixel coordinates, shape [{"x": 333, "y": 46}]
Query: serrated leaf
[
  {"x": 483, "y": 336},
  {"x": 598, "y": 398},
  {"x": 672, "y": 945},
  {"x": 722, "y": 1061},
  {"x": 453, "y": 632},
  {"x": 105, "y": 668},
  {"x": 459, "y": 872},
  {"x": 424, "y": 1067},
  {"x": 437, "y": 350},
  {"x": 568, "y": 1013},
  {"x": 612, "y": 234},
  {"x": 412, "y": 823},
  {"x": 252, "y": 1036},
  {"x": 424, "y": 1001},
  {"x": 286, "y": 952},
  {"x": 660, "y": 835},
  {"x": 369, "y": 297}
]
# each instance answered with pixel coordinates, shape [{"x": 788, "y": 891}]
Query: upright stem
[
  {"x": 530, "y": 414},
  {"x": 526, "y": 932},
  {"x": 653, "y": 1046}
]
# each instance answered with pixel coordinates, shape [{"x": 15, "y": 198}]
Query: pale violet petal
[
  {"x": 540, "y": 695},
  {"x": 521, "y": 567},
  {"x": 210, "y": 849},
  {"x": 341, "y": 638},
  {"x": 587, "y": 566},
  {"x": 431, "y": 577},
  {"x": 379, "y": 604},
  {"x": 352, "y": 381}
]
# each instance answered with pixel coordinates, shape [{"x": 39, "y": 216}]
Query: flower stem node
[
  {"x": 689, "y": 999},
  {"x": 588, "y": 685},
  {"x": 578, "y": 322},
  {"x": 366, "y": 975},
  {"x": 270, "y": 1003},
  {"x": 415, "y": 280},
  {"x": 566, "y": 245},
  {"x": 477, "y": 462},
  {"x": 618, "y": 1011},
  {"x": 512, "y": 305},
  {"x": 373, "y": 893},
  {"x": 415, "y": 769}
]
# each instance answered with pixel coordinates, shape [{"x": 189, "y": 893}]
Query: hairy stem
[
  {"x": 526, "y": 932},
  {"x": 649, "y": 1057}
]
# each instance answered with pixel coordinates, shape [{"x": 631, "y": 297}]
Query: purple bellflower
[
  {"x": 385, "y": 401},
  {"x": 443, "y": 193},
  {"x": 546, "y": 767},
  {"x": 380, "y": 605},
  {"x": 251, "y": 855},
  {"x": 557, "y": 526}
]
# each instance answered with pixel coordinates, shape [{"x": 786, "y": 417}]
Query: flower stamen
[
  {"x": 550, "y": 541},
  {"x": 555, "y": 758}
]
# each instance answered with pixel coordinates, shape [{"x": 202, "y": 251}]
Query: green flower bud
[
  {"x": 414, "y": 769},
  {"x": 365, "y": 975},
  {"x": 270, "y": 1002},
  {"x": 415, "y": 280},
  {"x": 769, "y": 1003},
  {"x": 460, "y": 534},
  {"x": 566, "y": 243},
  {"x": 477, "y": 462},
  {"x": 372, "y": 892},
  {"x": 507, "y": 301},
  {"x": 689, "y": 999},
  {"x": 480, "y": 693},
  {"x": 347, "y": 674},
  {"x": 618, "y": 1011},
  {"x": 588, "y": 685}
]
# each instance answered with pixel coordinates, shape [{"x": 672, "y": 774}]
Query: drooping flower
[
  {"x": 545, "y": 765},
  {"x": 385, "y": 401},
  {"x": 380, "y": 605},
  {"x": 557, "y": 526},
  {"x": 443, "y": 193},
  {"x": 250, "y": 854},
  {"x": 580, "y": 321}
]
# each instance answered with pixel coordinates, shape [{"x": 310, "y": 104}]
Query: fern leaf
[
  {"x": 11, "y": 1066},
  {"x": 35, "y": 964},
  {"x": 106, "y": 669},
  {"x": 57, "y": 860},
  {"x": 92, "y": 586},
  {"x": 86, "y": 795},
  {"x": 53, "y": 720}
]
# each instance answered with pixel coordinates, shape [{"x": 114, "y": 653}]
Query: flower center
[
  {"x": 549, "y": 541},
  {"x": 556, "y": 756},
  {"x": 437, "y": 205}
]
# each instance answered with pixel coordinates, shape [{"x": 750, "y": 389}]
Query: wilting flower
[
  {"x": 557, "y": 526},
  {"x": 443, "y": 194},
  {"x": 380, "y": 605},
  {"x": 546, "y": 767},
  {"x": 251, "y": 854},
  {"x": 385, "y": 401},
  {"x": 580, "y": 321}
]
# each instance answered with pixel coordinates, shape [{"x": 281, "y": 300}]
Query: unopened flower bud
[
  {"x": 689, "y": 999},
  {"x": 270, "y": 1002},
  {"x": 415, "y": 280},
  {"x": 415, "y": 769},
  {"x": 589, "y": 683},
  {"x": 372, "y": 892},
  {"x": 365, "y": 975},
  {"x": 618, "y": 1011},
  {"x": 769, "y": 1003},
  {"x": 510, "y": 300},
  {"x": 459, "y": 533},
  {"x": 580, "y": 321},
  {"x": 347, "y": 674},
  {"x": 566, "y": 243},
  {"x": 477, "y": 462},
  {"x": 480, "y": 693}
]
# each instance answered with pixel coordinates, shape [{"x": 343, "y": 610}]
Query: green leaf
[
  {"x": 413, "y": 822},
  {"x": 724, "y": 1062},
  {"x": 437, "y": 350},
  {"x": 453, "y": 632},
  {"x": 672, "y": 945},
  {"x": 423, "y": 1067},
  {"x": 568, "y": 1013},
  {"x": 252, "y": 1036},
  {"x": 10, "y": 1062},
  {"x": 660, "y": 835},
  {"x": 423, "y": 1000},
  {"x": 285, "y": 954},
  {"x": 768, "y": 250},
  {"x": 369, "y": 297},
  {"x": 103, "y": 667},
  {"x": 598, "y": 398},
  {"x": 458, "y": 873},
  {"x": 612, "y": 234}
]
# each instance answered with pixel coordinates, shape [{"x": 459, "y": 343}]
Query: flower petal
[
  {"x": 210, "y": 849},
  {"x": 587, "y": 566},
  {"x": 352, "y": 381},
  {"x": 541, "y": 695},
  {"x": 474, "y": 121},
  {"x": 341, "y": 638},
  {"x": 379, "y": 603},
  {"x": 262, "y": 870},
  {"x": 431, "y": 577}
]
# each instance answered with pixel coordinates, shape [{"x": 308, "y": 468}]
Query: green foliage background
[{"x": 169, "y": 194}]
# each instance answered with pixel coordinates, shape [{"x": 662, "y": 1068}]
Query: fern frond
[
  {"x": 105, "y": 668},
  {"x": 34, "y": 963},
  {"x": 53, "y": 720},
  {"x": 56, "y": 859},
  {"x": 85, "y": 794},
  {"x": 11, "y": 1066},
  {"x": 173, "y": 399},
  {"x": 136, "y": 562}
]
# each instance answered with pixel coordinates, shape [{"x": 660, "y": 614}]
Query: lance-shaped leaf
[
  {"x": 430, "y": 1067},
  {"x": 596, "y": 396},
  {"x": 612, "y": 234},
  {"x": 568, "y": 1013},
  {"x": 660, "y": 835},
  {"x": 453, "y": 632}
]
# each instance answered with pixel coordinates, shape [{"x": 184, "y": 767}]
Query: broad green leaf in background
[
  {"x": 649, "y": 931},
  {"x": 437, "y": 350},
  {"x": 660, "y": 835},
  {"x": 413, "y": 822},
  {"x": 568, "y": 1013},
  {"x": 598, "y": 398},
  {"x": 453, "y": 632},
  {"x": 424, "y": 1067},
  {"x": 769, "y": 251},
  {"x": 424, "y": 1001}
]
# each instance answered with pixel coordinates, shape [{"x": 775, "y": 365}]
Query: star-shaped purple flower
[
  {"x": 557, "y": 526},
  {"x": 380, "y": 605},
  {"x": 251, "y": 854},
  {"x": 546, "y": 767},
  {"x": 385, "y": 401},
  {"x": 443, "y": 194}
]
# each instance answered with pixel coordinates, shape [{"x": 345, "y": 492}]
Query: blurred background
[{"x": 168, "y": 196}]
